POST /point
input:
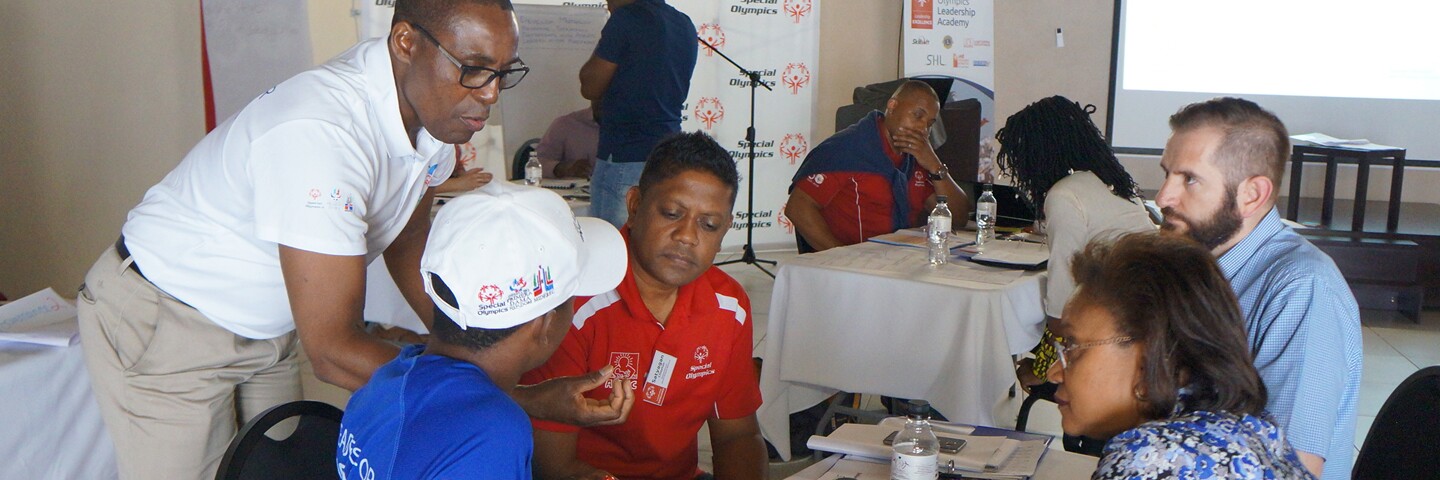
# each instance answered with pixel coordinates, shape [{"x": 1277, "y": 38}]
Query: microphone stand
[{"x": 748, "y": 255}]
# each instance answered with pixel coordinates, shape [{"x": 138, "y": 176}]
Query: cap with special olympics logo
[{"x": 511, "y": 253}]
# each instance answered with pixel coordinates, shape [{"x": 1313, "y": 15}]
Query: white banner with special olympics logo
[
  {"x": 780, "y": 40},
  {"x": 955, "y": 38}
]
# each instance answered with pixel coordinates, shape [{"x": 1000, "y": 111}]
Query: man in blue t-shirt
[
  {"x": 501, "y": 266},
  {"x": 640, "y": 74}
]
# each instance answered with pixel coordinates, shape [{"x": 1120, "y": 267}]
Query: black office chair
[
  {"x": 1074, "y": 444},
  {"x": 802, "y": 246},
  {"x": 309, "y": 452},
  {"x": 517, "y": 166},
  {"x": 1404, "y": 441},
  {"x": 1044, "y": 391}
]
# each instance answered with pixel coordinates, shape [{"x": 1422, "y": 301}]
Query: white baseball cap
[{"x": 509, "y": 254}]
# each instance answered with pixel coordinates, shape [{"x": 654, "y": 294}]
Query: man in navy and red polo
[
  {"x": 676, "y": 329},
  {"x": 874, "y": 177}
]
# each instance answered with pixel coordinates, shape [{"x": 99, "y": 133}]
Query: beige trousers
[{"x": 172, "y": 384}]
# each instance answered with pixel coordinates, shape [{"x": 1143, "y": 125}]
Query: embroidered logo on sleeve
[
  {"x": 335, "y": 199},
  {"x": 816, "y": 179}
]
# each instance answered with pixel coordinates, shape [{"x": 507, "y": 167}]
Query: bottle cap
[
  {"x": 940, "y": 198},
  {"x": 918, "y": 408}
]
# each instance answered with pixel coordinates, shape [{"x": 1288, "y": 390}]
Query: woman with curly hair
[{"x": 1062, "y": 166}]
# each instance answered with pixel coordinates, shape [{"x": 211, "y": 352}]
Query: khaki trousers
[{"x": 172, "y": 384}]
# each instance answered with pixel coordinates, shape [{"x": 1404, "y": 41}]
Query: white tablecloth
[
  {"x": 892, "y": 326},
  {"x": 50, "y": 426},
  {"x": 1055, "y": 465}
]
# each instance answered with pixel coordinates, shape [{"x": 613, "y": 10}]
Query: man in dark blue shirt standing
[{"x": 640, "y": 74}]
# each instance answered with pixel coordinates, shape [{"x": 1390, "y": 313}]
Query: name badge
[{"x": 658, "y": 380}]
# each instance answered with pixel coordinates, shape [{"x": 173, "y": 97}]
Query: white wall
[
  {"x": 101, "y": 100},
  {"x": 859, "y": 45}
]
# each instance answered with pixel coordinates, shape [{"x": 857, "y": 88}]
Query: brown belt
[{"x": 125, "y": 253}]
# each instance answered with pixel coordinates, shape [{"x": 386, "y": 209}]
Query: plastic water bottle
[
  {"x": 985, "y": 215},
  {"x": 533, "y": 170},
  {"x": 916, "y": 450},
  {"x": 938, "y": 232}
]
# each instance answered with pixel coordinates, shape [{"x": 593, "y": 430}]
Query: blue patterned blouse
[{"x": 1202, "y": 445}]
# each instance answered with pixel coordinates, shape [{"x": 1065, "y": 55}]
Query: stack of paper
[
  {"x": 840, "y": 467},
  {"x": 913, "y": 237},
  {"x": 1329, "y": 141},
  {"x": 42, "y": 318},
  {"x": 981, "y": 457},
  {"x": 1015, "y": 254}
]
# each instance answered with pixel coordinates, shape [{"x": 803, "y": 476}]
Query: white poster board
[
  {"x": 554, "y": 42},
  {"x": 251, "y": 47},
  {"x": 955, "y": 38}
]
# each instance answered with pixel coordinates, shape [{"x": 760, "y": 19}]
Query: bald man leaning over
[
  {"x": 874, "y": 177},
  {"x": 260, "y": 238}
]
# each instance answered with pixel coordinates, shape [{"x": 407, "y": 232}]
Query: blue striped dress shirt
[{"x": 1304, "y": 331}]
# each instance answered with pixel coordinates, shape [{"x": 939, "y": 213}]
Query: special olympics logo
[
  {"x": 701, "y": 353},
  {"x": 793, "y": 147},
  {"x": 795, "y": 76},
  {"x": 314, "y": 193},
  {"x": 713, "y": 35},
  {"x": 797, "y": 9},
  {"x": 490, "y": 294},
  {"x": 785, "y": 221},
  {"x": 709, "y": 110}
]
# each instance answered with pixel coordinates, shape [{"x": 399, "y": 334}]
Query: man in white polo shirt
[{"x": 260, "y": 237}]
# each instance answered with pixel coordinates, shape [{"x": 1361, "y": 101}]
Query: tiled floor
[{"x": 1395, "y": 347}]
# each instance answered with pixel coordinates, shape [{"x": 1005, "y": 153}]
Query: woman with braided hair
[{"x": 1062, "y": 166}]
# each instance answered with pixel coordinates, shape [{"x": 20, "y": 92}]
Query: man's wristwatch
[{"x": 940, "y": 175}]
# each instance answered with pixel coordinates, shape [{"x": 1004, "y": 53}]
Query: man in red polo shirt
[
  {"x": 874, "y": 177},
  {"x": 676, "y": 329}
]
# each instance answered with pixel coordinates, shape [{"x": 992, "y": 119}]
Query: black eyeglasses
[{"x": 479, "y": 77}]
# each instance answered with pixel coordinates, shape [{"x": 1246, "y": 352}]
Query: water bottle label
[
  {"x": 914, "y": 467},
  {"x": 939, "y": 225}
]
